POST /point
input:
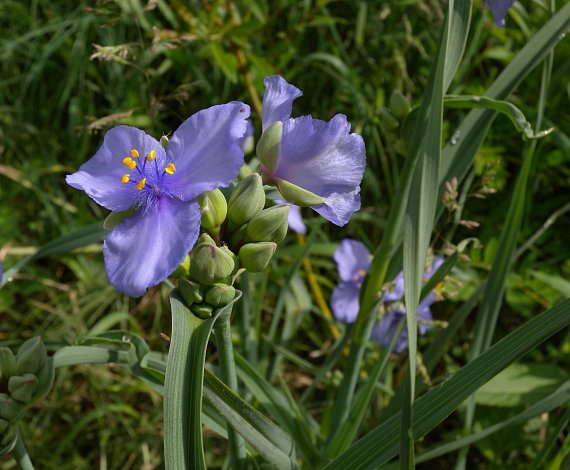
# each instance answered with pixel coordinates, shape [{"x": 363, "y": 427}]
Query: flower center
[
  {"x": 359, "y": 276},
  {"x": 144, "y": 171}
]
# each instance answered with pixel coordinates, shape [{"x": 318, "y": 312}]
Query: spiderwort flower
[
  {"x": 353, "y": 261},
  {"x": 131, "y": 170},
  {"x": 314, "y": 163},
  {"x": 499, "y": 9}
]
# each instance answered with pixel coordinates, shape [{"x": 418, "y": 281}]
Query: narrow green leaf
[
  {"x": 382, "y": 443},
  {"x": 516, "y": 116}
]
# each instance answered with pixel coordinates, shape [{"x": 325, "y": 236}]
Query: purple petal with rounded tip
[
  {"x": 352, "y": 259},
  {"x": 147, "y": 247},
  {"x": 324, "y": 158},
  {"x": 278, "y": 100},
  {"x": 386, "y": 328},
  {"x": 397, "y": 289},
  {"x": 344, "y": 301},
  {"x": 100, "y": 177},
  {"x": 205, "y": 150},
  {"x": 499, "y": 9}
]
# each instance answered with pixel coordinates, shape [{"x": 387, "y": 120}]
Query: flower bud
[
  {"x": 3, "y": 426},
  {"x": 191, "y": 292},
  {"x": 205, "y": 238},
  {"x": 387, "y": 119},
  {"x": 203, "y": 311},
  {"x": 210, "y": 264},
  {"x": 226, "y": 250},
  {"x": 256, "y": 256},
  {"x": 32, "y": 355},
  {"x": 7, "y": 362},
  {"x": 399, "y": 105},
  {"x": 269, "y": 145},
  {"x": 214, "y": 210},
  {"x": 270, "y": 225},
  {"x": 22, "y": 387},
  {"x": 297, "y": 195},
  {"x": 115, "y": 218},
  {"x": 220, "y": 294},
  {"x": 9, "y": 408},
  {"x": 246, "y": 200}
]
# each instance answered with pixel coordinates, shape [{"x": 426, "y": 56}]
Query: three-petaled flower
[
  {"x": 132, "y": 171},
  {"x": 499, "y": 9},
  {"x": 353, "y": 261},
  {"x": 314, "y": 163}
]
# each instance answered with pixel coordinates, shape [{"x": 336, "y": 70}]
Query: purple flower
[
  {"x": 499, "y": 9},
  {"x": 353, "y": 260},
  {"x": 317, "y": 163},
  {"x": 131, "y": 170}
]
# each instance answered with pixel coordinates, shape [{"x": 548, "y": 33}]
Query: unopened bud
[
  {"x": 7, "y": 362},
  {"x": 270, "y": 225},
  {"x": 164, "y": 141},
  {"x": 205, "y": 238},
  {"x": 203, "y": 311},
  {"x": 191, "y": 292},
  {"x": 399, "y": 105},
  {"x": 214, "y": 210},
  {"x": 226, "y": 250},
  {"x": 297, "y": 195},
  {"x": 220, "y": 294},
  {"x": 210, "y": 264},
  {"x": 269, "y": 145},
  {"x": 115, "y": 218},
  {"x": 387, "y": 119},
  {"x": 256, "y": 256},
  {"x": 4, "y": 424},
  {"x": 246, "y": 200},
  {"x": 22, "y": 387},
  {"x": 31, "y": 356},
  {"x": 9, "y": 408}
]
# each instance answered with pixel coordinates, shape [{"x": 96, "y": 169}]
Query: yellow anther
[
  {"x": 125, "y": 178},
  {"x": 151, "y": 155},
  {"x": 128, "y": 161},
  {"x": 141, "y": 184},
  {"x": 170, "y": 169},
  {"x": 134, "y": 153}
]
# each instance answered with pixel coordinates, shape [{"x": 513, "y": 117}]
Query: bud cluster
[{"x": 24, "y": 379}]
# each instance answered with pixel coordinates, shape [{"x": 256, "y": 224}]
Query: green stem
[
  {"x": 21, "y": 455},
  {"x": 223, "y": 332}
]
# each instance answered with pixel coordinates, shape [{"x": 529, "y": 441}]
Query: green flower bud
[
  {"x": 245, "y": 171},
  {"x": 210, "y": 264},
  {"x": 269, "y": 145},
  {"x": 191, "y": 292},
  {"x": 115, "y": 218},
  {"x": 214, "y": 210},
  {"x": 9, "y": 408},
  {"x": 164, "y": 142},
  {"x": 220, "y": 294},
  {"x": 246, "y": 200},
  {"x": 226, "y": 250},
  {"x": 203, "y": 311},
  {"x": 3, "y": 426},
  {"x": 22, "y": 387},
  {"x": 45, "y": 378},
  {"x": 399, "y": 105},
  {"x": 270, "y": 225},
  {"x": 387, "y": 119},
  {"x": 7, "y": 362},
  {"x": 238, "y": 236},
  {"x": 297, "y": 195},
  {"x": 205, "y": 238},
  {"x": 32, "y": 355},
  {"x": 256, "y": 256}
]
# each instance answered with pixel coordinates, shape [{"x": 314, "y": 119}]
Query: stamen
[
  {"x": 141, "y": 184},
  {"x": 134, "y": 153},
  {"x": 151, "y": 155},
  {"x": 128, "y": 161},
  {"x": 125, "y": 178},
  {"x": 170, "y": 169}
]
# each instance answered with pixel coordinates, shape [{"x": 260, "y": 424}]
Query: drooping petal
[
  {"x": 148, "y": 246},
  {"x": 344, "y": 301},
  {"x": 396, "y": 291},
  {"x": 206, "y": 150},
  {"x": 499, "y": 9},
  {"x": 277, "y": 100},
  {"x": 338, "y": 208},
  {"x": 352, "y": 259},
  {"x": 100, "y": 177},
  {"x": 386, "y": 328},
  {"x": 325, "y": 159},
  {"x": 424, "y": 313}
]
